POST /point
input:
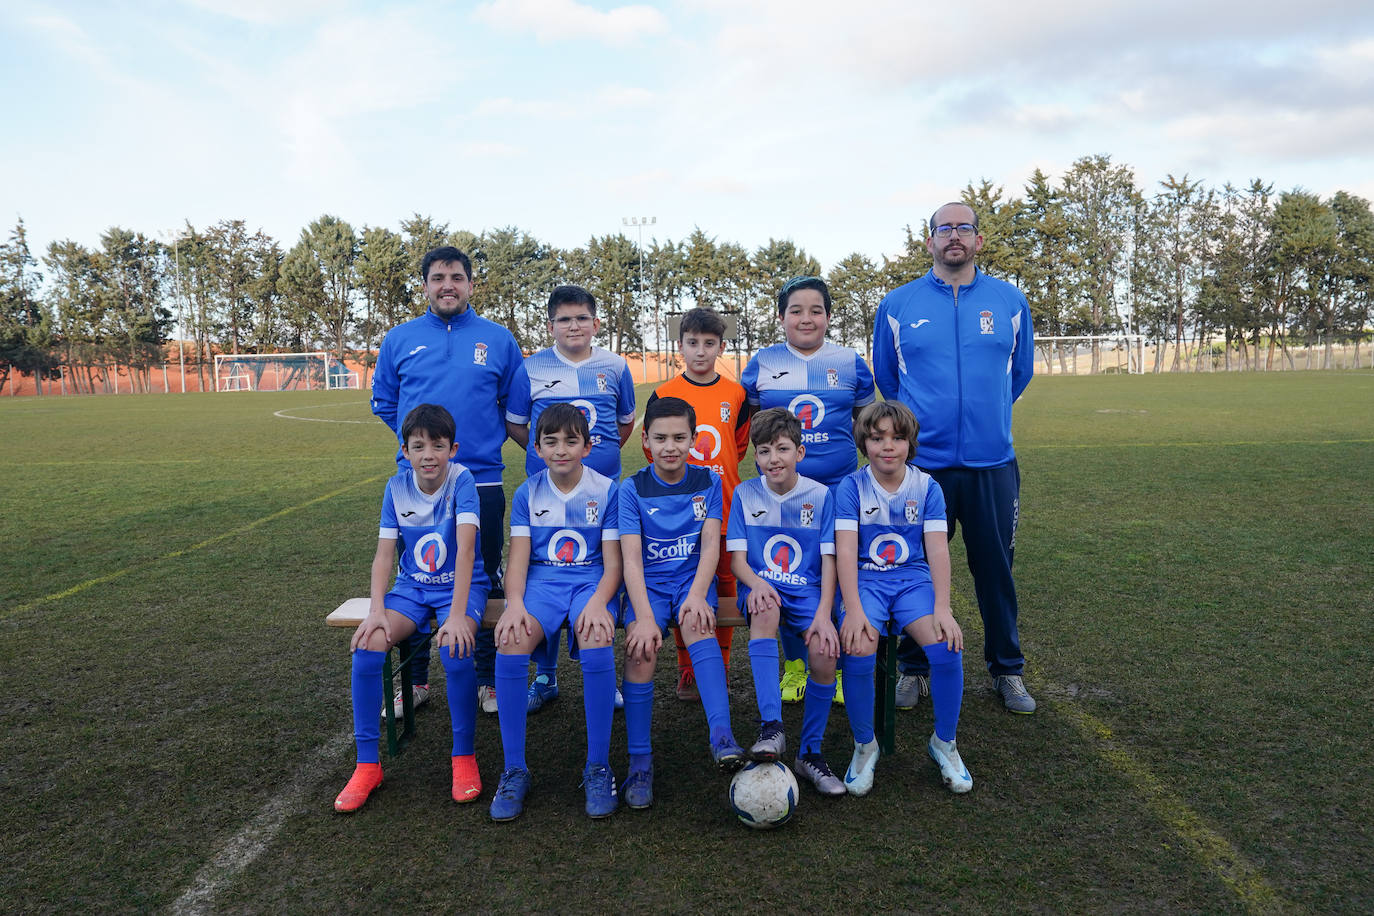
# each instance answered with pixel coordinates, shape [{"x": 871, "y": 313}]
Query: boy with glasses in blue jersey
[
  {"x": 670, "y": 520},
  {"x": 564, "y": 568},
  {"x": 430, "y": 510},
  {"x": 892, "y": 558}
]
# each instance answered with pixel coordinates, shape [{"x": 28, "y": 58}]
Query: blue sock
[
  {"x": 946, "y": 688},
  {"x": 815, "y": 712},
  {"x": 793, "y": 647},
  {"x": 461, "y": 675},
  {"x": 709, "y": 666},
  {"x": 598, "y": 700},
  {"x": 763, "y": 660},
  {"x": 512, "y": 673},
  {"x": 367, "y": 700},
  {"x": 858, "y": 694},
  {"x": 546, "y": 656},
  {"x": 639, "y": 717}
]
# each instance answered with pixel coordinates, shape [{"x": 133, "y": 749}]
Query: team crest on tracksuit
[
  {"x": 808, "y": 512},
  {"x": 913, "y": 512},
  {"x": 479, "y": 354},
  {"x": 699, "y": 508},
  {"x": 832, "y": 378},
  {"x": 985, "y": 322},
  {"x": 725, "y": 411},
  {"x": 593, "y": 512},
  {"x": 601, "y": 383}
]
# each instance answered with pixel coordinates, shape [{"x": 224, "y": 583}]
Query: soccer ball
[{"x": 764, "y": 795}]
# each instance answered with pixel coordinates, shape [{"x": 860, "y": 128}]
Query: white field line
[
  {"x": 246, "y": 846},
  {"x": 291, "y": 416}
]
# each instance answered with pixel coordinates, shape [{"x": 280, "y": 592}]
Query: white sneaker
[
  {"x": 858, "y": 779},
  {"x": 952, "y": 770},
  {"x": 419, "y": 694},
  {"x": 486, "y": 698},
  {"x": 910, "y": 689}
]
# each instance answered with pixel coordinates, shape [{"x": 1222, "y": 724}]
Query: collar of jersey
[
  {"x": 464, "y": 317},
  {"x": 781, "y": 496},
  {"x": 806, "y": 357},
  {"x": 945, "y": 288},
  {"x": 654, "y": 471},
  {"x": 567, "y": 362},
  {"x": 882, "y": 489}
]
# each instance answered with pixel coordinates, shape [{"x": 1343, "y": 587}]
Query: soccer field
[{"x": 1194, "y": 565}]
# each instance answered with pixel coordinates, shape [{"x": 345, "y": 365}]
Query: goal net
[
  {"x": 281, "y": 372},
  {"x": 1087, "y": 354}
]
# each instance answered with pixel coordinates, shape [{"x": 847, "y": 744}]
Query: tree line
[{"x": 1094, "y": 253}]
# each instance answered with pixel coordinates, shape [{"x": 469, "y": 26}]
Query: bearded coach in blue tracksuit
[{"x": 956, "y": 346}]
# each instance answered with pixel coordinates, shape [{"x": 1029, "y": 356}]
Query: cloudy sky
[{"x": 834, "y": 124}]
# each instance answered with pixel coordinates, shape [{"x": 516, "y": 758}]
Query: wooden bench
[{"x": 398, "y": 734}]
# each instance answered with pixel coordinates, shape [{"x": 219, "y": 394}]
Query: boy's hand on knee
[
  {"x": 948, "y": 630},
  {"x": 857, "y": 635},
  {"x": 513, "y": 620},
  {"x": 459, "y": 636},
  {"x": 821, "y": 637},
  {"x": 370, "y": 623},
  {"x": 763, "y": 599},
  {"x": 702, "y": 616},
  {"x": 642, "y": 640},
  {"x": 595, "y": 625}
]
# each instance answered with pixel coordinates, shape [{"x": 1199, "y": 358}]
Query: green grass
[{"x": 1195, "y": 577}]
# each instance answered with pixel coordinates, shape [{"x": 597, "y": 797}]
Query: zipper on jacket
[{"x": 959, "y": 380}]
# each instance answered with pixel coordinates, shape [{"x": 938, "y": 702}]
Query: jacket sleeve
[
  {"x": 1023, "y": 355},
  {"x": 884, "y": 351},
  {"x": 385, "y": 386}
]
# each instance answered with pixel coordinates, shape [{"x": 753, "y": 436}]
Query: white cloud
[
  {"x": 624, "y": 97},
  {"x": 264, "y": 12},
  {"x": 555, "y": 20},
  {"x": 519, "y": 108}
]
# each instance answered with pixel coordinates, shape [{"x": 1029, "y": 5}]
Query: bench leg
[
  {"x": 397, "y": 739},
  {"x": 885, "y": 697}
]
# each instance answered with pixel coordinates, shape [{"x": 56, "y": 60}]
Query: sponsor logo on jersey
[
  {"x": 780, "y": 374},
  {"x": 913, "y": 512},
  {"x": 552, "y": 383},
  {"x": 601, "y": 383},
  {"x": 985, "y": 322},
  {"x": 589, "y": 411},
  {"x": 429, "y": 553},
  {"x": 418, "y": 349},
  {"x": 782, "y": 555},
  {"x": 808, "y": 512},
  {"x": 707, "y": 443},
  {"x": 886, "y": 551},
  {"x": 408, "y": 513},
  {"x": 567, "y": 547},
  {"x": 479, "y": 354},
  {"x": 809, "y": 409},
  {"x": 725, "y": 411},
  {"x": 699, "y": 507},
  {"x": 832, "y": 378},
  {"x": 919, "y": 323},
  {"x": 593, "y": 512},
  {"x": 659, "y": 550}
]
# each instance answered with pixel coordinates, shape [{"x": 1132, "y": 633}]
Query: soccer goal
[
  {"x": 281, "y": 372},
  {"x": 1123, "y": 353}
]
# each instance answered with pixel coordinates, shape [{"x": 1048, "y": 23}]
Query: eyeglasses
[
  {"x": 566, "y": 321},
  {"x": 965, "y": 230}
]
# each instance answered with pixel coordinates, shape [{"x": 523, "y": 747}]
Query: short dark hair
[
  {"x": 670, "y": 407},
  {"x": 797, "y": 283},
  {"x": 774, "y": 423},
  {"x": 445, "y": 255},
  {"x": 570, "y": 295},
  {"x": 952, "y": 203},
  {"x": 564, "y": 418},
  {"x": 432, "y": 420},
  {"x": 904, "y": 423},
  {"x": 701, "y": 320}
]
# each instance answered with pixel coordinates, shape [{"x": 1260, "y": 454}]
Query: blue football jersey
[
  {"x": 785, "y": 536},
  {"x": 821, "y": 390},
  {"x": 565, "y": 529},
  {"x": 668, "y": 520},
  {"x": 600, "y": 386},
  {"x": 426, "y": 527},
  {"x": 891, "y": 526}
]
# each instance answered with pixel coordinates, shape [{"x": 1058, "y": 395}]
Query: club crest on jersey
[
  {"x": 887, "y": 550},
  {"x": 832, "y": 378},
  {"x": 808, "y": 513},
  {"x": 699, "y": 507},
  {"x": 725, "y": 411},
  {"x": 913, "y": 512},
  {"x": 566, "y": 547},
  {"x": 601, "y": 382},
  {"x": 593, "y": 512},
  {"x": 985, "y": 322},
  {"x": 479, "y": 354}
]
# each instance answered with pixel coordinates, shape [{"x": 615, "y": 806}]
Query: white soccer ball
[{"x": 764, "y": 795}]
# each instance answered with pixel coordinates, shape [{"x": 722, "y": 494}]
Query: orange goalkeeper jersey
[{"x": 722, "y": 427}]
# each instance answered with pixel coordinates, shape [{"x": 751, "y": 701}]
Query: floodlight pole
[{"x": 640, "y": 222}]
